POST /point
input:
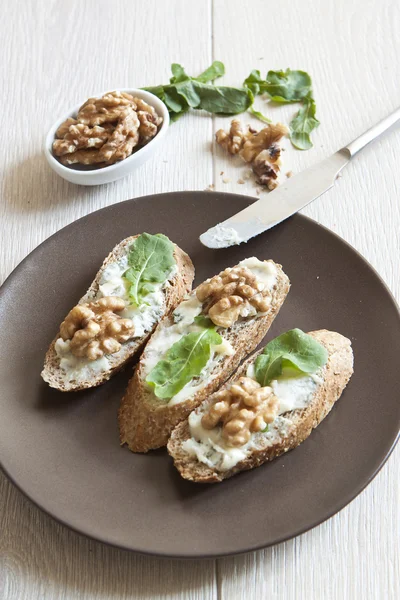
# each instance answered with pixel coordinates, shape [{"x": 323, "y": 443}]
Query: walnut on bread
[
  {"x": 233, "y": 293},
  {"x": 243, "y": 408},
  {"x": 95, "y": 328}
]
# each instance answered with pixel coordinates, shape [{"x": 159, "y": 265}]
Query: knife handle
[{"x": 373, "y": 133}]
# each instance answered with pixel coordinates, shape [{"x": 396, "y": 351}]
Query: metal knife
[{"x": 291, "y": 196}]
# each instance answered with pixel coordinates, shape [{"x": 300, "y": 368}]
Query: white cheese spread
[
  {"x": 186, "y": 312},
  {"x": 264, "y": 270},
  {"x": 221, "y": 237},
  {"x": 76, "y": 368}
]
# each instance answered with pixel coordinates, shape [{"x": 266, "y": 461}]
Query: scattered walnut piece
[
  {"x": 95, "y": 329},
  {"x": 233, "y": 293},
  {"x": 240, "y": 181},
  {"x": 243, "y": 408},
  {"x": 266, "y": 170},
  {"x": 107, "y": 129},
  {"x": 258, "y": 148},
  {"x": 234, "y": 140},
  {"x": 263, "y": 140}
]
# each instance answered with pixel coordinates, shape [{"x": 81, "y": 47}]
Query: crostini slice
[
  {"x": 142, "y": 280},
  {"x": 253, "y": 419},
  {"x": 195, "y": 349}
]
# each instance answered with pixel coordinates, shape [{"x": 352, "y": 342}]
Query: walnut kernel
[
  {"x": 234, "y": 140},
  {"x": 243, "y": 408},
  {"x": 262, "y": 140},
  {"x": 95, "y": 329},
  {"x": 233, "y": 293}
]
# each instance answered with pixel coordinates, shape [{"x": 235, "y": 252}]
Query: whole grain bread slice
[
  {"x": 298, "y": 423},
  {"x": 146, "y": 423},
  {"x": 179, "y": 285}
]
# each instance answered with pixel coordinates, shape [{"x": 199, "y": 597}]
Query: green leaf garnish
[
  {"x": 217, "y": 69},
  {"x": 178, "y": 73},
  {"x": 255, "y": 83},
  {"x": 265, "y": 429},
  {"x": 294, "y": 350},
  {"x": 150, "y": 260},
  {"x": 183, "y": 361},
  {"x": 184, "y": 92},
  {"x": 286, "y": 87},
  {"x": 204, "y": 321},
  {"x": 259, "y": 115},
  {"x": 303, "y": 124}
]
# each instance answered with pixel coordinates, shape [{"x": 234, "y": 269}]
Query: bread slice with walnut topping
[
  {"x": 284, "y": 433},
  {"x": 175, "y": 287},
  {"x": 145, "y": 420}
]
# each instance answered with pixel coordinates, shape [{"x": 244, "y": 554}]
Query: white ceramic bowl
[{"x": 97, "y": 176}]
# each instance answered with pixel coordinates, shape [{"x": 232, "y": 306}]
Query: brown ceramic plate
[{"x": 62, "y": 450}]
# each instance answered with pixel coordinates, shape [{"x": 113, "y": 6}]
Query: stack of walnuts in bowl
[{"x": 106, "y": 130}]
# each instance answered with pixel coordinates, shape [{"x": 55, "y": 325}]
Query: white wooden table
[{"x": 56, "y": 53}]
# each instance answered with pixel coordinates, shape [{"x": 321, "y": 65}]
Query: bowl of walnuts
[{"x": 107, "y": 136}]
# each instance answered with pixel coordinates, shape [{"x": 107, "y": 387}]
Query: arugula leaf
[
  {"x": 178, "y": 73},
  {"x": 150, "y": 259},
  {"x": 203, "y": 321},
  {"x": 281, "y": 86},
  {"x": 185, "y": 92},
  {"x": 255, "y": 82},
  {"x": 294, "y": 350},
  {"x": 217, "y": 69},
  {"x": 183, "y": 361},
  {"x": 303, "y": 124},
  {"x": 259, "y": 115},
  {"x": 288, "y": 86},
  {"x": 223, "y": 100}
]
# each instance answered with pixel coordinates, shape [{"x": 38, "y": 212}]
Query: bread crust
[
  {"x": 146, "y": 423},
  {"x": 336, "y": 375},
  {"x": 180, "y": 285}
]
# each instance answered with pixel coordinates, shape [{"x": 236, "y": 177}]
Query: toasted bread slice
[
  {"x": 179, "y": 284},
  {"x": 146, "y": 422},
  {"x": 283, "y": 434}
]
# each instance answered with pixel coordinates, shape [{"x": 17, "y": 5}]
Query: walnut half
[
  {"x": 95, "y": 329},
  {"x": 243, "y": 408},
  {"x": 233, "y": 293}
]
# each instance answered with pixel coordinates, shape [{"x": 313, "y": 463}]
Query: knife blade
[
  {"x": 290, "y": 197},
  {"x": 293, "y": 195}
]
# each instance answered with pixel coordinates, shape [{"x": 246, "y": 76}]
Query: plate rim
[{"x": 210, "y": 555}]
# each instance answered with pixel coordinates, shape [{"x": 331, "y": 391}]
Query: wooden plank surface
[{"x": 55, "y": 54}]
